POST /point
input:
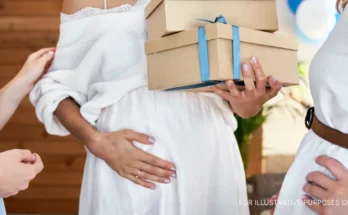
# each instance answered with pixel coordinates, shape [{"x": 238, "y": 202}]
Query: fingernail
[
  {"x": 153, "y": 187},
  {"x": 33, "y": 157},
  {"x": 273, "y": 80},
  {"x": 253, "y": 60},
  {"x": 304, "y": 197},
  {"x": 245, "y": 67},
  {"x": 152, "y": 140},
  {"x": 229, "y": 83},
  {"x": 174, "y": 176},
  {"x": 166, "y": 181},
  {"x": 173, "y": 168},
  {"x": 51, "y": 52}
]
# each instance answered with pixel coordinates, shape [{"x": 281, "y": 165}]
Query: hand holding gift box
[
  {"x": 247, "y": 103},
  {"x": 198, "y": 58}
]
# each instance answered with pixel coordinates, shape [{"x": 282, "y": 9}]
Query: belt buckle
[{"x": 309, "y": 118}]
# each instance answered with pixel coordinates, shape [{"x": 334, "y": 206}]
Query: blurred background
[{"x": 268, "y": 142}]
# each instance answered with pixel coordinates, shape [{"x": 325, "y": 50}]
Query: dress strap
[{"x": 105, "y": 6}]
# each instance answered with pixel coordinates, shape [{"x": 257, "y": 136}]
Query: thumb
[
  {"x": 24, "y": 155},
  {"x": 38, "y": 164}
]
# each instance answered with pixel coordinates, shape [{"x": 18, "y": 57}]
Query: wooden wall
[{"x": 26, "y": 26}]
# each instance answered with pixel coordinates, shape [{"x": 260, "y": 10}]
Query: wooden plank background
[{"x": 26, "y": 26}]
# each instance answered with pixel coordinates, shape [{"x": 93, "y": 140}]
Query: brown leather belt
[{"x": 329, "y": 134}]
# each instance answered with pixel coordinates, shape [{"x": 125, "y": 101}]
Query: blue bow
[{"x": 204, "y": 56}]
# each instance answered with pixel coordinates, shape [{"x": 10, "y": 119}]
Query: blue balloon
[
  {"x": 293, "y": 4},
  {"x": 338, "y": 16}
]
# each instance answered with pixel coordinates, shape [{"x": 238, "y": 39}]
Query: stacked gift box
[{"x": 194, "y": 44}]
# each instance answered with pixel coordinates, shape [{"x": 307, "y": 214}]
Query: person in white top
[
  {"x": 18, "y": 167},
  {"x": 180, "y": 145},
  {"x": 310, "y": 179}
]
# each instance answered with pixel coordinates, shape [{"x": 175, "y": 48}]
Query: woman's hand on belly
[
  {"x": 332, "y": 194},
  {"x": 248, "y": 103},
  {"x": 130, "y": 162}
]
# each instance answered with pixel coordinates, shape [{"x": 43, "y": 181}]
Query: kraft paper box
[
  {"x": 195, "y": 59},
  {"x": 170, "y": 16}
]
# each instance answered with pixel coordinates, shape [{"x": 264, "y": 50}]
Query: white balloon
[
  {"x": 315, "y": 18},
  {"x": 286, "y": 19}
]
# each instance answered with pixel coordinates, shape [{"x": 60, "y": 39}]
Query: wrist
[
  {"x": 23, "y": 85},
  {"x": 14, "y": 91},
  {"x": 95, "y": 144}
]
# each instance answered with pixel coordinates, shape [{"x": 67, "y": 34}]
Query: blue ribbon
[{"x": 204, "y": 56}]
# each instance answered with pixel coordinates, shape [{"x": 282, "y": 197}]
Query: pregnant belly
[{"x": 142, "y": 108}]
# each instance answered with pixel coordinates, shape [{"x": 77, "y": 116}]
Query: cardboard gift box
[
  {"x": 205, "y": 56},
  {"x": 170, "y": 16}
]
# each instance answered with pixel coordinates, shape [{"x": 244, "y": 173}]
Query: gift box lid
[
  {"x": 221, "y": 31},
  {"x": 155, "y": 3}
]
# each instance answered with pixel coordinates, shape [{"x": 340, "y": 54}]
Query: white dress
[
  {"x": 329, "y": 87},
  {"x": 100, "y": 62}
]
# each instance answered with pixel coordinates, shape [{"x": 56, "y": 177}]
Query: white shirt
[
  {"x": 87, "y": 70},
  {"x": 329, "y": 78}
]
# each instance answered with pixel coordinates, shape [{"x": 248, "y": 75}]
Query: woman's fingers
[
  {"x": 313, "y": 205},
  {"x": 223, "y": 94},
  {"x": 273, "y": 199},
  {"x": 320, "y": 179},
  {"x": 139, "y": 137},
  {"x": 336, "y": 168},
  {"x": 41, "y": 52},
  {"x": 23, "y": 155},
  {"x": 46, "y": 58},
  {"x": 38, "y": 164},
  {"x": 260, "y": 77},
  {"x": 154, "y": 170},
  {"x": 275, "y": 86},
  {"x": 248, "y": 78},
  {"x": 315, "y": 191},
  {"x": 141, "y": 182},
  {"x": 151, "y": 177},
  {"x": 232, "y": 88},
  {"x": 155, "y": 161}
]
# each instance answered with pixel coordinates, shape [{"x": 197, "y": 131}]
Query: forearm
[
  {"x": 10, "y": 97},
  {"x": 68, "y": 113}
]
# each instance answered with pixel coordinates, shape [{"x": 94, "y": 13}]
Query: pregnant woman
[
  {"x": 148, "y": 152},
  {"x": 329, "y": 134}
]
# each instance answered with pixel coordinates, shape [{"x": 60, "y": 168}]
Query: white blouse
[
  {"x": 329, "y": 78},
  {"x": 87, "y": 70}
]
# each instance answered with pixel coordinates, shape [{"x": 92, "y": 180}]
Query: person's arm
[
  {"x": 10, "y": 97},
  {"x": 12, "y": 94},
  {"x": 68, "y": 113},
  {"x": 18, "y": 167}
]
